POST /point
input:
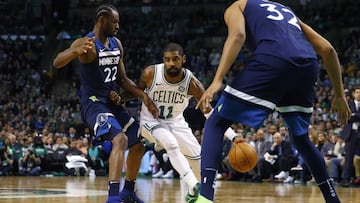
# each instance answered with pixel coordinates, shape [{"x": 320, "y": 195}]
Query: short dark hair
[
  {"x": 356, "y": 87},
  {"x": 174, "y": 47},
  {"x": 104, "y": 10}
]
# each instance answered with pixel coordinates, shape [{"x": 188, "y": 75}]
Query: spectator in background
[
  {"x": 328, "y": 148},
  {"x": 41, "y": 152},
  {"x": 75, "y": 150},
  {"x": 93, "y": 155},
  {"x": 6, "y": 161},
  {"x": 30, "y": 164},
  {"x": 72, "y": 134},
  {"x": 284, "y": 133},
  {"x": 351, "y": 135},
  {"x": 39, "y": 123},
  {"x": 262, "y": 146},
  {"x": 337, "y": 164},
  {"x": 248, "y": 137},
  {"x": 59, "y": 144},
  {"x": 278, "y": 160},
  {"x": 356, "y": 180}
]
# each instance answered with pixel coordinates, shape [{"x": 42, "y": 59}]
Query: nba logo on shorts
[{"x": 101, "y": 119}]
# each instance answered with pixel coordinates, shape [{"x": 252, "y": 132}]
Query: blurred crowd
[{"x": 41, "y": 129}]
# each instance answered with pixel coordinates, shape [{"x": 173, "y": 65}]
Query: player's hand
[
  {"x": 114, "y": 97},
  {"x": 208, "y": 95},
  {"x": 151, "y": 106},
  {"x": 86, "y": 46},
  {"x": 238, "y": 139},
  {"x": 340, "y": 105}
]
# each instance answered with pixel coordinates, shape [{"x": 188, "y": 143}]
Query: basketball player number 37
[{"x": 277, "y": 14}]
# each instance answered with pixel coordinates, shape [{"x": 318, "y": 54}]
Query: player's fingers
[
  {"x": 239, "y": 139},
  {"x": 198, "y": 103},
  {"x": 91, "y": 39}
]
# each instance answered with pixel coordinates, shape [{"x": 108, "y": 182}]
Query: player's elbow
[
  {"x": 327, "y": 51},
  {"x": 57, "y": 64},
  {"x": 238, "y": 37}
]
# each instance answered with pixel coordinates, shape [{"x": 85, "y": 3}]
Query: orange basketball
[{"x": 242, "y": 157}]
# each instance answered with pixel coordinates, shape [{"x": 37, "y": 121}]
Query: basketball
[{"x": 242, "y": 157}]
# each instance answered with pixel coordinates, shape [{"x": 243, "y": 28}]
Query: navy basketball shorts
[
  {"x": 267, "y": 84},
  {"x": 109, "y": 120}
]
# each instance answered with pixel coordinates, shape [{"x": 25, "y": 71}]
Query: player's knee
[
  {"x": 120, "y": 142},
  {"x": 173, "y": 148}
]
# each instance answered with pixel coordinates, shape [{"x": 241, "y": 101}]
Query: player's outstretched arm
[
  {"x": 235, "y": 22},
  {"x": 79, "y": 47},
  {"x": 130, "y": 86},
  {"x": 196, "y": 89},
  {"x": 331, "y": 61}
]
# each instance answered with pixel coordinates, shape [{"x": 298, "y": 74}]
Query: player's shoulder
[
  {"x": 150, "y": 68},
  {"x": 79, "y": 41},
  {"x": 148, "y": 71}
]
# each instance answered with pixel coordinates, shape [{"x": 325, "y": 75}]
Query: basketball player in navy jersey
[
  {"x": 102, "y": 72},
  {"x": 280, "y": 76}
]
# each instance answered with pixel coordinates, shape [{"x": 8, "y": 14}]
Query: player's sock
[
  {"x": 129, "y": 185},
  {"x": 207, "y": 183},
  {"x": 211, "y": 151},
  {"x": 316, "y": 164},
  {"x": 327, "y": 188},
  {"x": 114, "y": 188}
]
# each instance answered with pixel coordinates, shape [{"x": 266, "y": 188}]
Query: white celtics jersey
[{"x": 170, "y": 99}]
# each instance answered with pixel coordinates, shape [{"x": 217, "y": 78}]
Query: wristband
[
  {"x": 207, "y": 115},
  {"x": 230, "y": 134}
]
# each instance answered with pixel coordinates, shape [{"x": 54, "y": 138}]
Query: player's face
[
  {"x": 111, "y": 24},
  {"x": 357, "y": 94},
  {"x": 173, "y": 63}
]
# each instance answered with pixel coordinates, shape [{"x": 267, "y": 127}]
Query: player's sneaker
[
  {"x": 113, "y": 199},
  {"x": 158, "y": 174},
  {"x": 127, "y": 196},
  {"x": 192, "y": 198},
  {"x": 202, "y": 199}
]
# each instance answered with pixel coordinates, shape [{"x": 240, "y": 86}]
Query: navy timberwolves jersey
[
  {"x": 274, "y": 29},
  {"x": 98, "y": 78}
]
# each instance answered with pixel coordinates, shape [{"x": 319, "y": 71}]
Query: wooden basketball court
[{"x": 94, "y": 190}]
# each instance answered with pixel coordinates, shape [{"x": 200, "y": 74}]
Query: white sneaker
[
  {"x": 158, "y": 174},
  {"x": 296, "y": 168},
  {"x": 169, "y": 174},
  {"x": 289, "y": 179},
  {"x": 219, "y": 176},
  {"x": 282, "y": 175}
]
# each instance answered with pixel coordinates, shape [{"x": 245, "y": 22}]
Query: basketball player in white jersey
[{"x": 171, "y": 86}]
